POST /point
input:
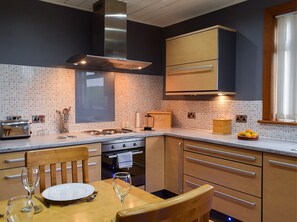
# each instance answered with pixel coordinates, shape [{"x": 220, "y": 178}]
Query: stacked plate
[{"x": 67, "y": 193}]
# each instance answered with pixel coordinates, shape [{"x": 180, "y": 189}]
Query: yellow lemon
[
  {"x": 249, "y": 131},
  {"x": 248, "y": 134}
]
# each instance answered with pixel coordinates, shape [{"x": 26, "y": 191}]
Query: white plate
[{"x": 68, "y": 192}]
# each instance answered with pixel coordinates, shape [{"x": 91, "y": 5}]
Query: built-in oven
[{"x": 110, "y": 156}]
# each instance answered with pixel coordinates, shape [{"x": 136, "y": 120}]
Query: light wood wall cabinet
[
  {"x": 201, "y": 62},
  {"x": 11, "y": 165},
  {"x": 235, "y": 173},
  {"x": 279, "y": 188},
  {"x": 154, "y": 164},
  {"x": 174, "y": 164}
]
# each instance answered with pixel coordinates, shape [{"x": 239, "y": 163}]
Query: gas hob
[{"x": 108, "y": 132}]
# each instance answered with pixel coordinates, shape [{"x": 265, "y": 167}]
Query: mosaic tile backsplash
[
  {"x": 27, "y": 91},
  {"x": 206, "y": 111}
]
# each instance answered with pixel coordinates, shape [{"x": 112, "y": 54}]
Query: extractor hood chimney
[{"x": 110, "y": 39}]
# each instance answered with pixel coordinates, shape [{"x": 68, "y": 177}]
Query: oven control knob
[
  {"x": 112, "y": 146},
  {"x": 134, "y": 144},
  {"x": 124, "y": 145}
]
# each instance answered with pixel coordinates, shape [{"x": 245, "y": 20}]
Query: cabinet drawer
[
  {"x": 94, "y": 167},
  {"x": 17, "y": 159},
  {"x": 192, "y": 47},
  {"x": 236, "y": 204},
  {"x": 279, "y": 188},
  {"x": 11, "y": 160},
  {"x": 200, "y": 76},
  {"x": 94, "y": 148},
  {"x": 225, "y": 152},
  {"x": 238, "y": 176},
  {"x": 10, "y": 183}
]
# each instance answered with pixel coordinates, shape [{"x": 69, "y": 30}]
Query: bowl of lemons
[{"x": 248, "y": 135}]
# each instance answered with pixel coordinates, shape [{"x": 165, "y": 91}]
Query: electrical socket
[
  {"x": 191, "y": 115},
  {"x": 38, "y": 118},
  {"x": 241, "y": 118}
]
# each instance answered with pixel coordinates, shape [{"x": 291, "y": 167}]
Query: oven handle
[{"x": 115, "y": 156}]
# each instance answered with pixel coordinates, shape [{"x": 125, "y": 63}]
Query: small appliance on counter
[
  {"x": 14, "y": 129},
  {"x": 149, "y": 122}
]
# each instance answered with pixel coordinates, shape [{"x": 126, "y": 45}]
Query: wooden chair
[
  {"x": 194, "y": 205},
  {"x": 53, "y": 157}
]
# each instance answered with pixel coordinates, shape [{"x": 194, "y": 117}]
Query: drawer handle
[
  {"x": 231, "y": 169},
  {"x": 238, "y": 200},
  {"x": 92, "y": 150},
  {"x": 240, "y": 156},
  {"x": 13, "y": 176},
  {"x": 218, "y": 193},
  {"x": 15, "y": 160},
  {"x": 47, "y": 171},
  {"x": 282, "y": 164},
  {"x": 69, "y": 167},
  {"x": 187, "y": 70}
]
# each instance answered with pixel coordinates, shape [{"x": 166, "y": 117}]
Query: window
[
  {"x": 285, "y": 71},
  {"x": 279, "y": 65},
  {"x": 94, "y": 96}
]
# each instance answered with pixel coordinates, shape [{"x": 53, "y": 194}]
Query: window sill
[{"x": 277, "y": 122}]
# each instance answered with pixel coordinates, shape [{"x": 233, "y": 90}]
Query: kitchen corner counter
[{"x": 51, "y": 140}]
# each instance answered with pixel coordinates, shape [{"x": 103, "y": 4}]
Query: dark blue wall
[
  {"x": 247, "y": 19},
  {"x": 41, "y": 34}
]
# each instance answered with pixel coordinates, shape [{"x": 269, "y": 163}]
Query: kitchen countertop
[{"x": 51, "y": 140}]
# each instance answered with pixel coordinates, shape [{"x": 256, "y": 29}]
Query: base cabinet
[
  {"x": 154, "y": 164},
  {"x": 279, "y": 188},
  {"x": 235, "y": 174},
  {"x": 173, "y": 164},
  {"x": 229, "y": 201},
  {"x": 11, "y": 165}
]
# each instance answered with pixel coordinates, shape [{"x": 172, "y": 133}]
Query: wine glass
[
  {"x": 19, "y": 209},
  {"x": 30, "y": 180},
  {"x": 121, "y": 185}
]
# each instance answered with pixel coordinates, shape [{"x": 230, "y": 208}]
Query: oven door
[{"x": 110, "y": 166}]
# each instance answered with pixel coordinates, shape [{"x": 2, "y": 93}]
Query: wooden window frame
[{"x": 268, "y": 51}]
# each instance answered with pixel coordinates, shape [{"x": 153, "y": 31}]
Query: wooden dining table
[{"x": 103, "y": 208}]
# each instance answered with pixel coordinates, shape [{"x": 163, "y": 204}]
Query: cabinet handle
[
  {"x": 282, "y": 164},
  {"x": 187, "y": 70},
  {"x": 179, "y": 179},
  {"x": 115, "y": 156},
  {"x": 238, "y": 200},
  {"x": 47, "y": 171},
  {"x": 219, "y": 166},
  {"x": 69, "y": 167},
  {"x": 15, "y": 160},
  {"x": 236, "y": 155},
  {"x": 218, "y": 193},
  {"x": 13, "y": 176},
  {"x": 92, "y": 150}
]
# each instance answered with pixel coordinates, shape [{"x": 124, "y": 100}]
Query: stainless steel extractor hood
[{"x": 109, "y": 39}]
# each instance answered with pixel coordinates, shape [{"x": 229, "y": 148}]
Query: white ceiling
[{"x": 160, "y": 13}]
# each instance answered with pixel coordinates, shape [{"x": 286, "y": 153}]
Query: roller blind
[{"x": 285, "y": 78}]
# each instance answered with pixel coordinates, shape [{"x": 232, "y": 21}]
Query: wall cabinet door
[
  {"x": 173, "y": 164},
  {"x": 280, "y": 188},
  {"x": 154, "y": 163}
]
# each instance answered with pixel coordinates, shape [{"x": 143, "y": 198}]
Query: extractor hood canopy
[{"x": 109, "y": 39}]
